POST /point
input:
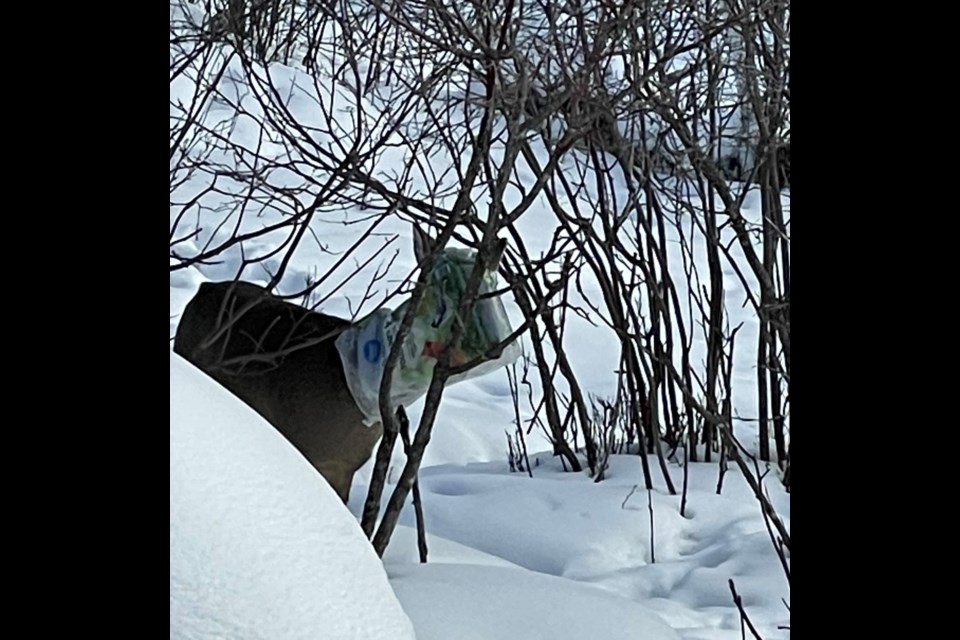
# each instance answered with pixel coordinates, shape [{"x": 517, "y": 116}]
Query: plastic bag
[{"x": 365, "y": 346}]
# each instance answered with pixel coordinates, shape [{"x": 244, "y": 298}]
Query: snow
[
  {"x": 471, "y": 602},
  {"x": 598, "y": 534},
  {"x": 260, "y": 545}
]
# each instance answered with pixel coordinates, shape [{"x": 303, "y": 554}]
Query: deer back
[{"x": 281, "y": 360}]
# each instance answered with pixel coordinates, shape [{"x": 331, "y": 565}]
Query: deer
[{"x": 281, "y": 359}]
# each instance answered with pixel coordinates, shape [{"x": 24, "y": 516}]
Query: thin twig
[
  {"x": 404, "y": 423},
  {"x": 744, "y": 618},
  {"x": 653, "y": 557},
  {"x": 624, "y": 503}
]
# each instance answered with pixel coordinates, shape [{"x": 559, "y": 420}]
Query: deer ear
[
  {"x": 494, "y": 261},
  {"x": 422, "y": 244}
]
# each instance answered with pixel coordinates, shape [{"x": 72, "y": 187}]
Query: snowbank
[{"x": 260, "y": 545}]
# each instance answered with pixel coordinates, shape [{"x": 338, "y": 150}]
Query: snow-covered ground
[{"x": 262, "y": 548}]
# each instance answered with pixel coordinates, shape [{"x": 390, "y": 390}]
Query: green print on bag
[{"x": 364, "y": 347}]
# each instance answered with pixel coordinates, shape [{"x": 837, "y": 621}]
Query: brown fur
[{"x": 297, "y": 385}]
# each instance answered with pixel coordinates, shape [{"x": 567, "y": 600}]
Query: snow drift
[{"x": 260, "y": 545}]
